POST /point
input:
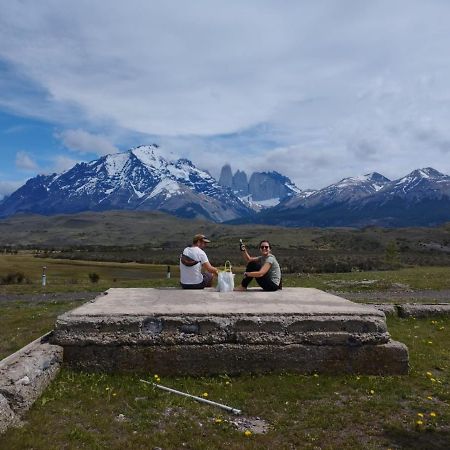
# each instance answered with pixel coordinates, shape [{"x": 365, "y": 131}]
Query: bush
[
  {"x": 14, "y": 278},
  {"x": 94, "y": 277}
]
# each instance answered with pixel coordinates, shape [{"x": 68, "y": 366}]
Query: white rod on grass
[{"x": 199, "y": 399}]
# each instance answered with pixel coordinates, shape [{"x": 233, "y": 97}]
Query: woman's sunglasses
[{"x": 264, "y": 246}]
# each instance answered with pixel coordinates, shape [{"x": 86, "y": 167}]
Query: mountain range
[{"x": 144, "y": 179}]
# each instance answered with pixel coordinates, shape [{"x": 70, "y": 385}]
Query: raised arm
[{"x": 247, "y": 257}]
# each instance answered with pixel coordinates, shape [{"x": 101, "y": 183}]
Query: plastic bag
[{"x": 225, "y": 279}]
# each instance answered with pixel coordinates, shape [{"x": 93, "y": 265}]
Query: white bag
[{"x": 225, "y": 279}]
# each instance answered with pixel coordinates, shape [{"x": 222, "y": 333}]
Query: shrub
[
  {"x": 94, "y": 277},
  {"x": 14, "y": 278}
]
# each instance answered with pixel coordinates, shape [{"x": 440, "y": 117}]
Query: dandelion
[
  {"x": 430, "y": 397},
  {"x": 316, "y": 375},
  {"x": 247, "y": 433},
  {"x": 433, "y": 380},
  {"x": 419, "y": 423},
  {"x": 371, "y": 392},
  {"x": 205, "y": 394},
  {"x": 218, "y": 420},
  {"x": 433, "y": 414},
  {"x": 114, "y": 394},
  {"x": 107, "y": 389},
  {"x": 420, "y": 415},
  {"x": 227, "y": 382},
  {"x": 358, "y": 378},
  {"x": 429, "y": 342},
  {"x": 429, "y": 374},
  {"x": 441, "y": 328}
]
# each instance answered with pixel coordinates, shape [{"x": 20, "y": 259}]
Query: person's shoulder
[{"x": 271, "y": 259}]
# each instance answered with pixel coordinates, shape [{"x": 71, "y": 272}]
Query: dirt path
[{"x": 54, "y": 296}]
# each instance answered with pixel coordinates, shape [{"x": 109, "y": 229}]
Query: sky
[{"x": 317, "y": 91}]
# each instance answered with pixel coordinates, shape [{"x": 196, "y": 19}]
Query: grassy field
[
  {"x": 65, "y": 275},
  {"x": 157, "y": 238},
  {"x": 23, "y": 321},
  {"x": 98, "y": 411}
]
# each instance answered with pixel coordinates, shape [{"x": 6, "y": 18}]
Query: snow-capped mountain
[
  {"x": 144, "y": 179},
  {"x": 420, "y": 183},
  {"x": 140, "y": 179},
  {"x": 348, "y": 189},
  {"x": 420, "y": 198}
]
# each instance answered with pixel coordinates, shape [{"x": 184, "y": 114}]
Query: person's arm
[
  {"x": 207, "y": 266},
  {"x": 247, "y": 257},
  {"x": 260, "y": 273}
]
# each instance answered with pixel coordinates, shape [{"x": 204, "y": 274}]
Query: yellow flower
[
  {"x": 371, "y": 392},
  {"x": 114, "y": 394},
  {"x": 419, "y": 423},
  {"x": 429, "y": 374},
  {"x": 316, "y": 375},
  {"x": 358, "y": 378},
  {"x": 247, "y": 433},
  {"x": 227, "y": 382},
  {"x": 433, "y": 414},
  {"x": 429, "y": 342},
  {"x": 107, "y": 389},
  {"x": 205, "y": 394},
  {"x": 155, "y": 376},
  {"x": 432, "y": 380},
  {"x": 420, "y": 415},
  {"x": 430, "y": 397},
  {"x": 217, "y": 420},
  {"x": 441, "y": 328}
]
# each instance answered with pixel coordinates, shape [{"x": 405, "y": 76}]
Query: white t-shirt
[{"x": 193, "y": 274}]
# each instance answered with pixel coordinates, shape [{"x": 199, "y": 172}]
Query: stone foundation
[{"x": 176, "y": 332}]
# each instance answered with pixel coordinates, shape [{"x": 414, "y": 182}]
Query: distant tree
[{"x": 391, "y": 253}]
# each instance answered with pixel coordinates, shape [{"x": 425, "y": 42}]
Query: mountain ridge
[{"x": 144, "y": 179}]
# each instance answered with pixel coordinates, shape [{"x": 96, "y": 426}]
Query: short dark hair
[{"x": 265, "y": 240}]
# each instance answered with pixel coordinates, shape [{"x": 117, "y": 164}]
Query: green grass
[
  {"x": 23, "y": 321},
  {"x": 416, "y": 278},
  {"x": 73, "y": 276},
  {"x": 81, "y": 410}
]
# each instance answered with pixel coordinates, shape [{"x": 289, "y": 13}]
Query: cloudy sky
[{"x": 315, "y": 90}]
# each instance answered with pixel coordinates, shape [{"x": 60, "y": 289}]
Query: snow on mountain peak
[{"x": 150, "y": 155}]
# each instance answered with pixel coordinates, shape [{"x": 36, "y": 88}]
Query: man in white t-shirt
[{"x": 196, "y": 272}]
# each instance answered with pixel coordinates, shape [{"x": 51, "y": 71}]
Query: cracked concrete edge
[
  {"x": 413, "y": 309},
  {"x": 423, "y": 311},
  {"x": 24, "y": 375}
]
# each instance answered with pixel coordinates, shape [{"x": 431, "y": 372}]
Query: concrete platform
[{"x": 178, "y": 332}]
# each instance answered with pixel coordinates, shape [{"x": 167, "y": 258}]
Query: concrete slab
[{"x": 173, "y": 331}]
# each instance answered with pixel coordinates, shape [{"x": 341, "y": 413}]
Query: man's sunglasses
[{"x": 264, "y": 246}]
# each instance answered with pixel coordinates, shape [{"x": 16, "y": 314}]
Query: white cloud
[
  {"x": 315, "y": 90},
  {"x": 8, "y": 187},
  {"x": 25, "y": 162},
  {"x": 84, "y": 142},
  {"x": 62, "y": 163}
]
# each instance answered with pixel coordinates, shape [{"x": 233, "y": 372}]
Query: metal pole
[
  {"x": 199, "y": 399},
  {"x": 168, "y": 271},
  {"x": 44, "y": 277}
]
